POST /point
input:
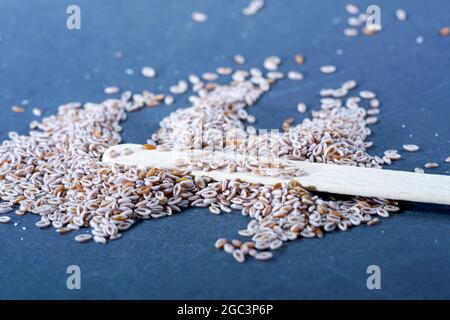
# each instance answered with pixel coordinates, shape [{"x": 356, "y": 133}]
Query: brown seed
[
  {"x": 299, "y": 59},
  {"x": 149, "y": 147},
  {"x": 445, "y": 31},
  {"x": 287, "y": 123},
  {"x": 374, "y": 221},
  {"x": 369, "y": 31},
  {"x": 18, "y": 109},
  {"x": 236, "y": 243},
  {"x": 63, "y": 230}
]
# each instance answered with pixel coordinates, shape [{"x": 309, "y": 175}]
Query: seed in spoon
[{"x": 149, "y": 147}]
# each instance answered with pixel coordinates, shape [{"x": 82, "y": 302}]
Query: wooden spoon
[{"x": 331, "y": 178}]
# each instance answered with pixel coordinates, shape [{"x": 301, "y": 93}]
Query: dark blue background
[{"x": 42, "y": 61}]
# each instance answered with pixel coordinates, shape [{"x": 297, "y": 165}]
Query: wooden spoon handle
[{"x": 339, "y": 179}]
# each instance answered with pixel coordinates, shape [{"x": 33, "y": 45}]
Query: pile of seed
[{"x": 56, "y": 171}]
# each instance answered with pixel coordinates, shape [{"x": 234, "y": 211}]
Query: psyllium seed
[
  {"x": 111, "y": 90},
  {"x": 328, "y": 69},
  {"x": 431, "y": 165},
  {"x": 301, "y": 107},
  {"x": 220, "y": 243},
  {"x": 239, "y": 59},
  {"x": 5, "y": 219},
  {"x": 444, "y": 31},
  {"x": 199, "y": 17},
  {"x": 18, "y": 109},
  {"x": 148, "y": 72},
  {"x": 299, "y": 59},
  {"x": 411, "y": 147}
]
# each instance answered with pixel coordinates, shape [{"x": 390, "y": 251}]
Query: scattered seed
[
  {"x": 431, "y": 165},
  {"x": 272, "y": 63},
  {"x": 365, "y": 94},
  {"x": 100, "y": 239},
  {"x": 209, "y": 76},
  {"x": 5, "y": 219},
  {"x": 199, "y": 16},
  {"x": 224, "y": 71},
  {"x": 401, "y": 14},
  {"x": 18, "y": 109},
  {"x": 253, "y": 7},
  {"x": 169, "y": 100},
  {"x": 371, "y": 120},
  {"x": 352, "y": 8},
  {"x": 236, "y": 243},
  {"x": 239, "y": 59},
  {"x": 447, "y": 159},
  {"x": 83, "y": 237},
  {"x": 299, "y": 59},
  {"x": 228, "y": 248},
  {"x": 411, "y": 147},
  {"x": 374, "y": 103},
  {"x": 351, "y": 32},
  {"x": 238, "y": 255},
  {"x": 301, "y": 107},
  {"x": 328, "y": 69},
  {"x": 111, "y": 90},
  {"x": 37, "y": 112},
  {"x": 444, "y": 31},
  {"x": 180, "y": 88},
  {"x": 43, "y": 224},
  {"x": 148, "y": 72},
  {"x": 349, "y": 85},
  {"x": 4, "y": 210},
  {"x": 264, "y": 255},
  {"x": 295, "y": 75},
  {"x": 220, "y": 243}
]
